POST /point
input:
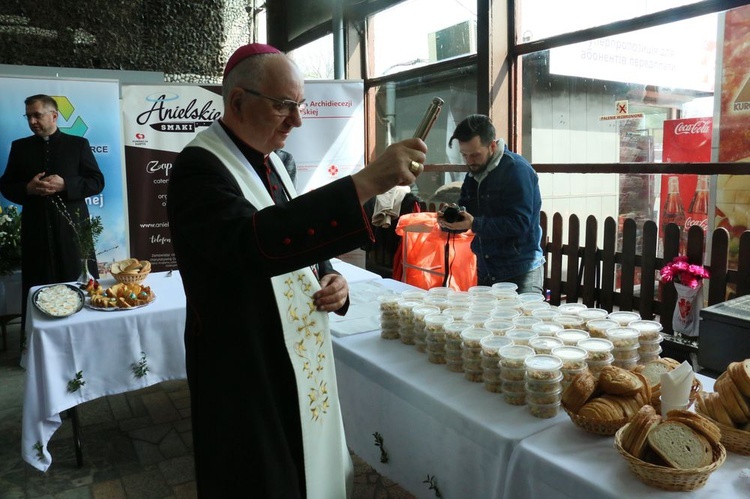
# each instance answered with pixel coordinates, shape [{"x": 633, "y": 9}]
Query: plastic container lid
[
  {"x": 482, "y": 308},
  {"x": 572, "y": 336},
  {"x": 546, "y": 328},
  {"x": 405, "y": 304},
  {"x": 389, "y": 298},
  {"x": 492, "y": 344},
  {"x": 523, "y": 321},
  {"x": 528, "y": 297},
  {"x": 498, "y": 327},
  {"x": 511, "y": 286},
  {"x": 656, "y": 340},
  {"x": 505, "y": 313},
  {"x": 473, "y": 335},
  {"x": 455, "y": 327},
  {"x": 623, "y": 335},
  {"x": 571, "y": 308},
  {"x": 530, "y": 307},
  {"x": 569, "y": 321},
  {"x": 545, "y": 314},
  {"x": 624, "y": 318},
  {"x": 423, "y": 310},
  {"x": 596, "y": 345},
  {"x": 543, "y": 362},
  {"x": 477, "y": 319},
  {"x": 521, "y": 335},
  {"x": 439, "y": 301},
  {"x": 545, "y": 343},
  {"x": 602, "y": 324},
  {"x": 456, "y": 312},
  {"x": 437, "y": 319},
  {"x": 570, "y": 353},
  {"x": 512, "y": 303},
  {"x": 480, "y": 290},
  {"x": 414, "y": 294},
  {"x": 439, "y": 291},
  {"x": 593, "y": 313},
  {"x": 515, "y": 352},
  {"x": 645, "y": 326}
]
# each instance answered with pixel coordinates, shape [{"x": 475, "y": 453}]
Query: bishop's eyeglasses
[{"x": 286, "y": 106}]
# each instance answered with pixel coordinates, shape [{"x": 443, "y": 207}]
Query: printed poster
[{"x": 86, "y": 109}]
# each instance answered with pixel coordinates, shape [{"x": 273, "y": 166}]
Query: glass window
[
  {"x": 400, "y": 106},
  {"x": 539, "y": 19},
  {"x": 622, "y": 99},
  {"x": 417, "y": 32},
  {"x": 315, "y": 59}
]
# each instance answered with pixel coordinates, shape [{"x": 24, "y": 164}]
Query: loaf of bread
[
  {"x": 582, "y": 387},
  {"x": 740, "y": 374},
  {"x": 680, "y": 446},
  {"x": 635, "y": 435}
]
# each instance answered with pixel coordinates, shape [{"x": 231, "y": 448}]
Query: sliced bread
[{"x": 680, "y": 446}]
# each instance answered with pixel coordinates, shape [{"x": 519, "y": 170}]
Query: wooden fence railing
[{"x": 610, "y": 278}]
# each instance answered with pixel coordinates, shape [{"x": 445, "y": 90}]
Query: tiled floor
[{"x": 136, "y": 445}]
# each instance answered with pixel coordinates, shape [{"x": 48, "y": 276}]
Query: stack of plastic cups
[
  {"x": 543, "y": 385},
  {"x": 599, "y": 354},
  {"x": 498, "y": 326},
  {"x": 504, "y": 287},
  {"x": 390, "y": 326},
  {"x": 573, "y": 362},
  {"x": 406, "y": 320},
  {"x": 545, "y": 344},
  {"x": 624, "y": 317},
  {"x": 472, "y": 352},
  {"x": 453, "y": 359},
  {"x": 491, "y": 361},
  {"x": 460, "y": 299},
  {"x": 480, "y": 290},
  {"x": 649, "y": 340},
  {"x": 546, "y": 328},
  {"x": 590, "y": 314},
  {"x": 513, "y": 372},
  {"x": 545, "y": 314},
  {"x": 435, "y": 337},
  {"x": 482, "y": 307},
  {"x": 414, "y": 294},
  {"x": 571, "y": 337},
  {"x": 439, "y": 291},
  {"x": 419, "y": 333},
  {"x": 597, "y": 328},
  {"x": 437, "y": 301},
  {"x": 521, "y": 336},
  {"x": 570, "y": 321},
  {"x": 530, "y": 297},
  {"x": 572, "y": 308},
  {"x": 625, "y": 341}
]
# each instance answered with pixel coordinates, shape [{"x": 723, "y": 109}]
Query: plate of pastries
[{"x": 119, "y": 296}]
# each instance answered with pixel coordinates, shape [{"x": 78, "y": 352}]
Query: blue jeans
[{"x": 530, "y": 282}]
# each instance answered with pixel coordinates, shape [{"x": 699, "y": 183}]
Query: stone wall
[{"x": 188, "y": 40}]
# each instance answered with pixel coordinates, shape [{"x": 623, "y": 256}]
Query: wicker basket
[
  {"x": 131, "y": 278},
  {"x": 695, "y": 390},
  {"x": 734, "y": 440},
  {"x": 596, "y": 426},
  {"x": 671, "y": 478}
]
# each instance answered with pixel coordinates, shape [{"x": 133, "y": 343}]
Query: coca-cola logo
[
  {"x": 689, "y": 222},
  {"x": 699, "y": 127}
]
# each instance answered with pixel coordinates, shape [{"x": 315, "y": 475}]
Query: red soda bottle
[{"x": 673, "y": 210}]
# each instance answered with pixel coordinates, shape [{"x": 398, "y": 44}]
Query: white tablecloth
[
  {"x": 566, "y": 462},
  {"x": 105, "y": 348},
  {"x": 433, "y": 421}
]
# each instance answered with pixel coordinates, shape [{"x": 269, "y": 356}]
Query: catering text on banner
[
  {"x": 158, "y": 122},
  {"x": 87, "y": 108}
]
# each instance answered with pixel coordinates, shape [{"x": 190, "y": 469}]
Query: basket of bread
[
  {"x": 653, "y": 370},
  {"x": 728, "y": 406},
  {"x": 603, "y": 406},
  {"x": 677, "y": 453},
  {"x": 130, "y": 270}
]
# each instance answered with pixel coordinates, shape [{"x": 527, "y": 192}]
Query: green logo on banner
[{"x": 66, "y": 108}]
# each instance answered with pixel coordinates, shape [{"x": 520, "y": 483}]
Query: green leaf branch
[
  {"x": 432, "y": 485},
  {"x": 379, "y": 444}
]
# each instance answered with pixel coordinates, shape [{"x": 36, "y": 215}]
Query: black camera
[{"x": 453, "y": 213}]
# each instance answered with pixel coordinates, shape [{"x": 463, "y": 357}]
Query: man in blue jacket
[{"x": 502, "y": 201}]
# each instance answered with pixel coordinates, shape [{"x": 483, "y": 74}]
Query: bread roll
[
  {"x": 617, "y": 381},
  {"x": 680, "y": 446}
]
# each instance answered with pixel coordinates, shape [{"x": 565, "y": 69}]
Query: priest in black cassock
[
  {"x": 265, "y": 413},
  {"x": 45, "y": 172}
]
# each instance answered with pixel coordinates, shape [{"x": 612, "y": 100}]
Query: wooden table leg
[{"x": 73, "y": 414}]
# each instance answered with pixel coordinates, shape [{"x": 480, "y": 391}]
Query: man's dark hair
[
  {"x": 44, "y": 99},
  {"x": 472, "y": 126}
]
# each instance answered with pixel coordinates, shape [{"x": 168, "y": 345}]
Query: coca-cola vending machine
[{"x": 685, "y": 196}]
